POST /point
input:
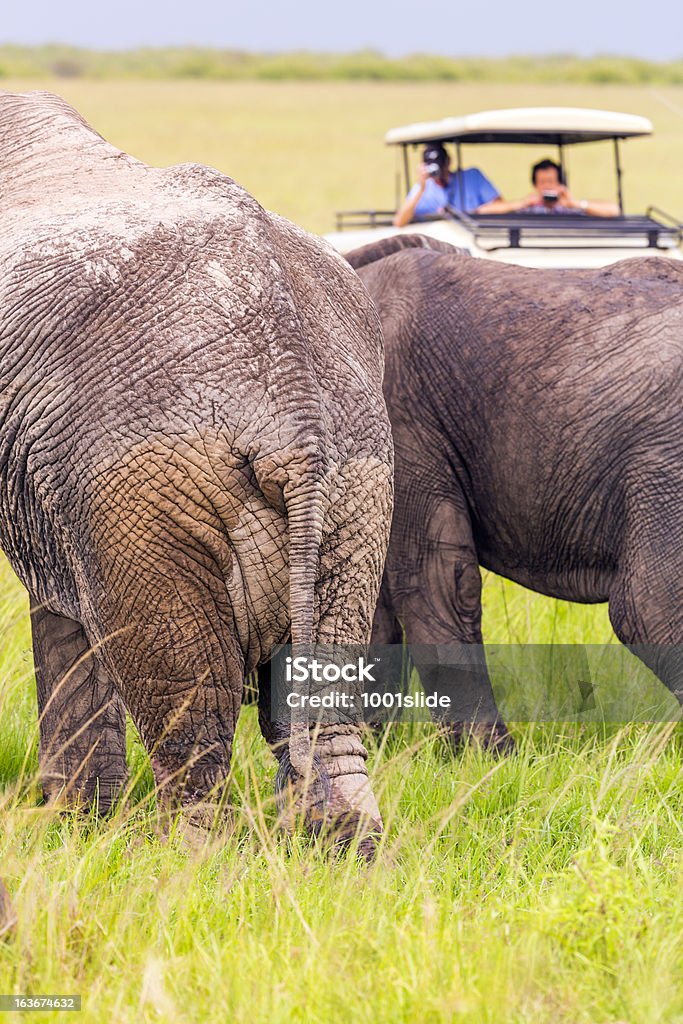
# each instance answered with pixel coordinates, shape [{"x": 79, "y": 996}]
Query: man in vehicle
[
  {"x": 551, "y": 195},
  {"x": 438, "y": 187}
]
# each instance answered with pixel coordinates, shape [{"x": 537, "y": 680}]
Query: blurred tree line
[{"x": 366, "y": 65}]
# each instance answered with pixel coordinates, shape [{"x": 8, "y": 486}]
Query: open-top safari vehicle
[{"x": 575, "y": 240}]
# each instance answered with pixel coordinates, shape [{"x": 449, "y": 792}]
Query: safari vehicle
[{"x": 526, "y": 238}]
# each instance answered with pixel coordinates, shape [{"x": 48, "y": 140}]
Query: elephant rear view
[{"x": 195, "y": 457}]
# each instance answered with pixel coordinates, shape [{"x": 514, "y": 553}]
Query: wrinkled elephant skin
[
  {"x": 195, "y": 456},
  {"x": 538, "y": 431}
]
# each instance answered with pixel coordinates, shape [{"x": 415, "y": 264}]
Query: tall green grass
[{"x": 542, "y": 887}]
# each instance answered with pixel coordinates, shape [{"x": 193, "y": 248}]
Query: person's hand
[
  {"x": 533, "y": 199},
  {"x": 566, "y": 199},
  {"x": 423, "y": 175}
]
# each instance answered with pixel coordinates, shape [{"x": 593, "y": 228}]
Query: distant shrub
[
  {"x": 66, "y": 68},
  {"x": 605, "y": 71},
  {"x": 363, "y": 65},
  {"x": 194, "y": 69},
  {"x": 284, "y": 66},
  {"x": 673, "y": 73}
]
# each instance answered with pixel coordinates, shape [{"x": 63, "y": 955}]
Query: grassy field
[
  {"x": 306, "y": 150},
  {"x": 543, "y": 887}
]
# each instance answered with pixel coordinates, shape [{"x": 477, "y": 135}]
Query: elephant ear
[
  {"x": 8, "y": 918},
  {"x": 388, "y": 246}
]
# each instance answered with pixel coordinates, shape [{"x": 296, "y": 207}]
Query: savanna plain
[{"x": 544, "y": 886}]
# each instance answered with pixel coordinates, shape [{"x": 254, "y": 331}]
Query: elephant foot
[
  {"x": 335, "y": 799},
  {"x": 99, "y": 794},
  {"x": 8, "y": 918},
  {"x": 79, "y": 777},
  {"x": 354, "y": 814},
  {"x": 196, "y": 827},
  {"x": 491, "y": 736},
  {"x": 303, "y": 799},
  {"x": 192, "y": 805}
]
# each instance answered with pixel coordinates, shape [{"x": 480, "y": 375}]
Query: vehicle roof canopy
[{"x": 558, "y": 126}]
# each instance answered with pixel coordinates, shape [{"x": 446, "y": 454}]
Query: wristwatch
[{"x": 583, "y": 205}]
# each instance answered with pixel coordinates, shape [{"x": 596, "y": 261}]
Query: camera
[
  {"x": 550, "y": 196},
  {"x": 433, "y": 170}
]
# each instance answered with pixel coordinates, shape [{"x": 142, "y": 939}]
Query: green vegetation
[
  {"x": 542, "y": 888},
  {"x": 365, "y": 65}
]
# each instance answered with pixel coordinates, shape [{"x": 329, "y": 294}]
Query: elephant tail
[
  {"x": 300, "y": 495},
  {"x": 304, "y": 504},
  {"x": 305, "y": 513}
]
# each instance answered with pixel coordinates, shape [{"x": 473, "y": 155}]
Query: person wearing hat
[{"x": 438, "y": 187}]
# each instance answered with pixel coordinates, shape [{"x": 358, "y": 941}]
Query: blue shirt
[{"x": 476, "y": 187}]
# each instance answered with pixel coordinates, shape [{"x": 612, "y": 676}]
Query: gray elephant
[
  {"x": 195, "y": 459},
  {"x": 538, "y": 431}
]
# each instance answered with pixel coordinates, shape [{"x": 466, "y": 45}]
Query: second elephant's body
[{"x": 538, "y": 429}]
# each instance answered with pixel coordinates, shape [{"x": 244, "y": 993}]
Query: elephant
[
  {"x": 195, "y": 464},
  {"x": 538, "y": 431}
]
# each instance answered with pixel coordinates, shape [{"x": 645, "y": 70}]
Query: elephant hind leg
[
  {"x": 434, "y": 573},
  {"x": 276, "y": 734},
  {"x": 181, "y": 677},
  {"x": 82, "y": 719},
  {"x": 386, "y": 628},
  {"x": 646, "y": 601},
  {"x": 335, "y": 797}
]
